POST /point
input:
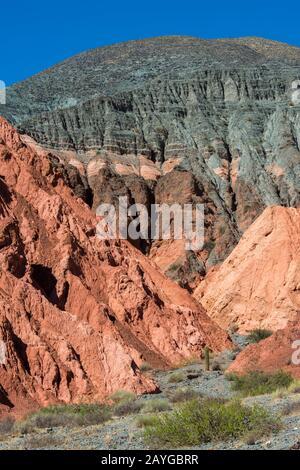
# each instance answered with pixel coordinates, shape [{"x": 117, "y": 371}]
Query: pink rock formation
[
  {"x": 79, "y": 315},
  {"x": 281, "y": 351},
  {"x": 258, "y": 285}
]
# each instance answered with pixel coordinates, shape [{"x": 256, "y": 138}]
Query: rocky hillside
[
  {"x": 218, "y": 116},
  {"x": 78, "y": 316},
  {"x": 278, "y": 352},
  {"x": 257, "y": 286},
  {"x": 108, "y": 71}
]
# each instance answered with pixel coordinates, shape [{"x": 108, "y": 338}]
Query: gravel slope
[{"x": 123, "y": 433}]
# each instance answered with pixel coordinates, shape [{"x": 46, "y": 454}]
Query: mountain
[
  {"x": 217, "y": 117},
  {"x": 123, "y": 67},
  {"x": 278, "y": 352},
  {"x": 79, "y": 315},
  {"x": 258, "y": 285}
]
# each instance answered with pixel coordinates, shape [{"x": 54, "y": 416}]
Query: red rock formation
[
  {"x": 110, "y": 175},
  {"x": 181, "y": 265},
  {"x": 278, "y": 352},
  {"x": 78, "y": 315},
  {"x": 258, "y": 285}
]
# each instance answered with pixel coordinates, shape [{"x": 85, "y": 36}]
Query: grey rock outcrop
[{"x": 225, "y": 109}]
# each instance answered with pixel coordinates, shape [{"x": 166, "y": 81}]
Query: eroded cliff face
[
  {"x": 79, "y": 315},
  {"x": 257, "y": 286},
  {"x": 223, "y": 113},
  {"x": 278, "y": 352}
]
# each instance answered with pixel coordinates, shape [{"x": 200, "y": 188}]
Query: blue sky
[{"x": 35, "y": 35}]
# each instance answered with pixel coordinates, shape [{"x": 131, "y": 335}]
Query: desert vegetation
[
  {"x": 65, "y": 415},
  {"x": 6, "y": 426},
  {"x": 183, "y": 394},
  {"x": 156, "y": 405},
  {"x": 74, "y": 415},
  {"x": 205, "y": 420},
  {"x": 258, "y": 335},
  {"x": 176, "y": 377},
  {"x": 259, "y": 383}
]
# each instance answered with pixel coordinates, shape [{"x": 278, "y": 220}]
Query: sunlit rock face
[
  {"x": 278, "y": 352},
  {"x": 79, "y": 315},
  {"x": 257, "y": 286}
]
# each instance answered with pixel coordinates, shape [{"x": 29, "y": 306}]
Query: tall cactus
[{"x": 207, "y": 357}]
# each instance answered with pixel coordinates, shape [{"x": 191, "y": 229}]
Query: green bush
[
  {"x": 211, "y": 149},
  {"x": 46, "y": 441},
  {"x": 291, "y": 408},
  {"x": 294, "y": 387},
  {"x": 176, "y": 377},
  {"x": 81, "y": 409},
  {"x": 145, "y": 367},
  {"x": 259, "y": 383},
  {"x": 6, "y": 426},
  {"x": 122, "y": 396},
  {"x": 143, "y": 421},
  {"x": 174, "y": 267},
  {"x": 156, "y": 405},
  {"x": 201, "y": 421},
  {"x": 184, "y": 394},
  {"x": 209, "y": 245},
  {"x": 216, "y": 366},
  {"x": 127, "y": 408},
  {"x": 258, "y": 335},
  {"x": 65, "y": 415}
]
